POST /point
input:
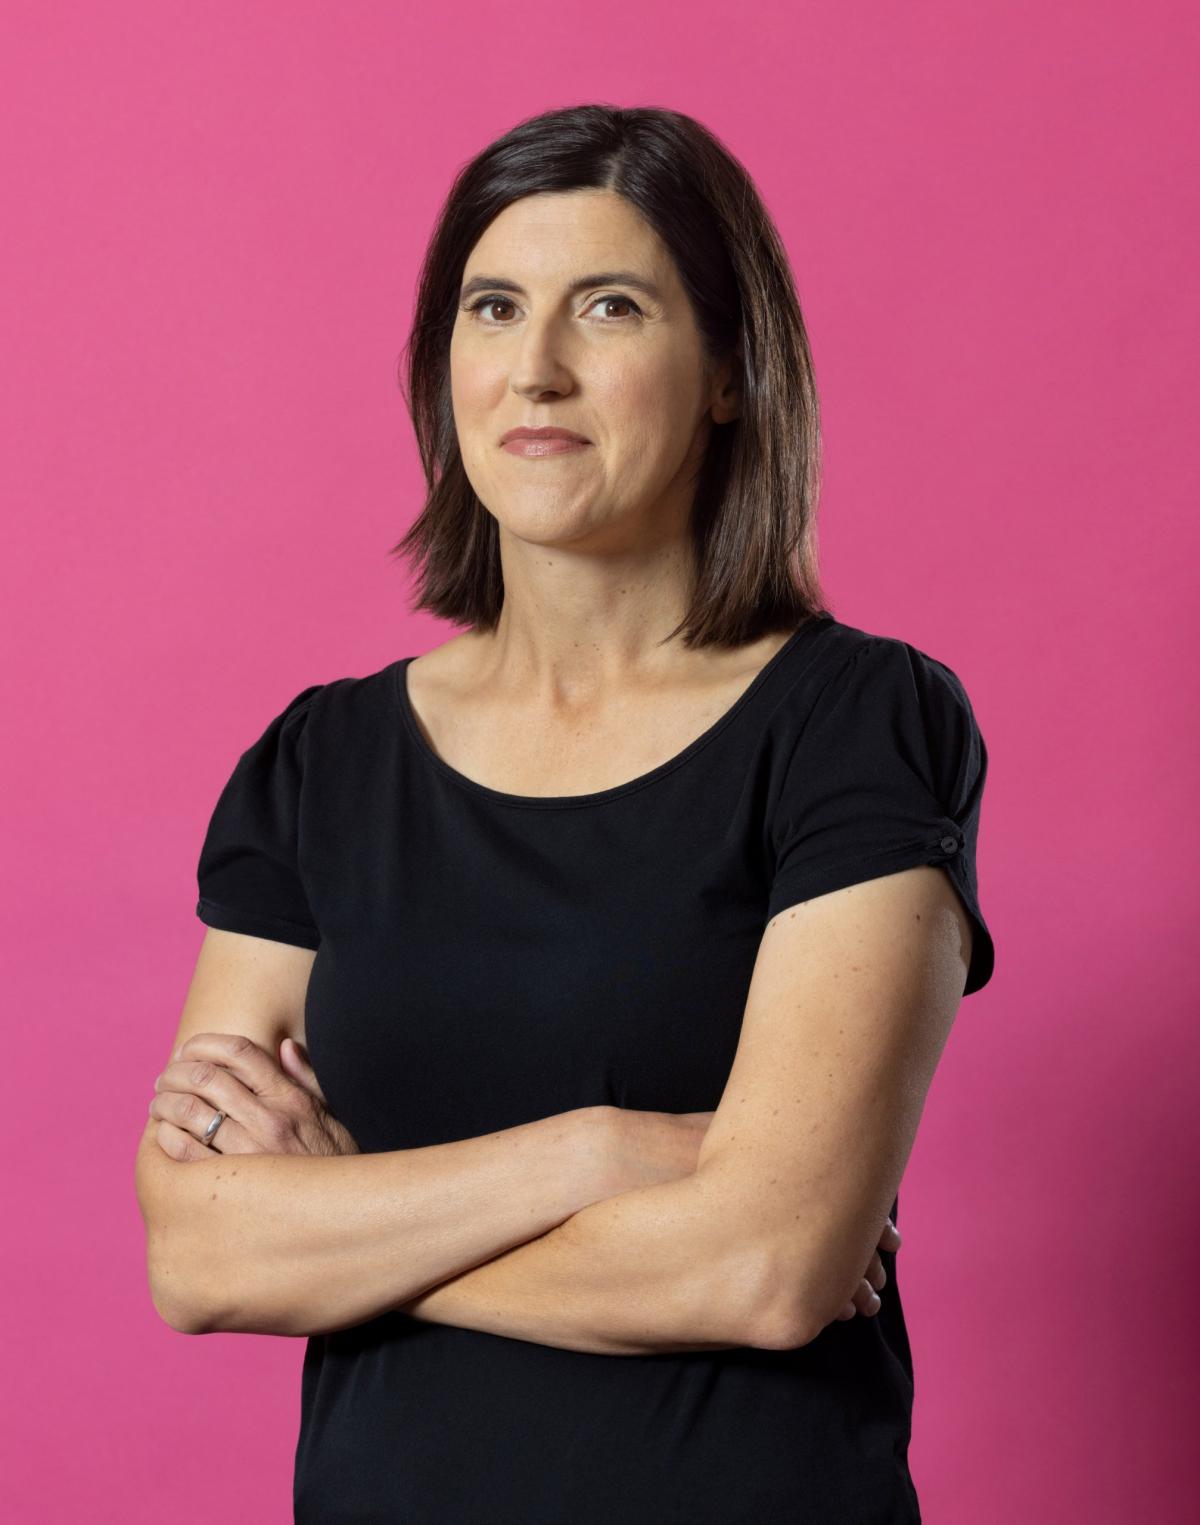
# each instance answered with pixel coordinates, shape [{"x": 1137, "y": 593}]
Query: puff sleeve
[
  {"x": 887, "y": 773},
  {"x": 249, "y": 873}
]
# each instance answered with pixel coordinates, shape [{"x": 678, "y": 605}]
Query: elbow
[
  {"x": 748, "y": 1290},
  {"x": 180, "y": 1243},
  {"x": 178, "y": 1316},
  {"x": 174, "y": 1298},
  {"x": 781, "y": 1327},
  {"x": 802, "y": 1306},
  {"x": 772, "y": 1316},
  {"x": 782, "y": 1316},
  {"x": 720, "y": 1298},
  {"x": 181, "y": 1269}
]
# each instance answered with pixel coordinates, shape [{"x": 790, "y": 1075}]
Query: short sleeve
[
  {"x": 249, "y": 872},
  {"x": 887, "y": 773}
]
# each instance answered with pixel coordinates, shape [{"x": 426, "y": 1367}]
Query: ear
[{"x": 726, "y": 396}]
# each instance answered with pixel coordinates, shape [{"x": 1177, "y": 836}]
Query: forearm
[
  {"x": 304, "y": 1244},
  {"x": 650, "y": 1270}
]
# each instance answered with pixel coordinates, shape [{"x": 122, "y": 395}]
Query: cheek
[
  {"x": 649, "y": 418},
  {"x": 475, "y": 409},
  {"x": 477, "y": 377},
  {"x": 662, "y": 382},
  {"x": 470, "y": 389}
]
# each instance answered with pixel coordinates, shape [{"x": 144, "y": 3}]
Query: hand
[
  {"x": 874, "y": 1278},
  {"x": 270, "y": 1107}
]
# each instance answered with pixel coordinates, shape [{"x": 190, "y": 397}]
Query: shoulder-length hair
[{"x": 753, "y": 521}]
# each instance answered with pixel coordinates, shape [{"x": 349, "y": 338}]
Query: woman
[{"x": 626, "y": 927}]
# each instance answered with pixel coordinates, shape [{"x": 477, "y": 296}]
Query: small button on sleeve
[{"x": 887, "y": 773}]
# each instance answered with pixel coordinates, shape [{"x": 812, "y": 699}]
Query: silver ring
[{"x": 212, "y": 1128}]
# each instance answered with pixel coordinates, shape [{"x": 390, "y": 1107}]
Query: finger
[
  {"x": 867, "y": 1300},
  {"x": 179, "y": 1145},
  {"x": 890, "y": 1238},
  {"x": 875, "y": 1274},
  {"x": 258, "y": 1070},
  {"x": 201, "y": 1088},
  {"x": 295, "y": 1063},
  {"x": 191, "y": 1116},
  {"x": 847, "y": 1312}
]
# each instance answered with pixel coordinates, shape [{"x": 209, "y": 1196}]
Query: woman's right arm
[{"x": 304, "y": 1244}]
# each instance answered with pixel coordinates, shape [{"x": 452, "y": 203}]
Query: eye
[
  {"x": 621, "y": 302},
  {"x": 487, "y": 301},
  {"x": 494, "y": 299}
]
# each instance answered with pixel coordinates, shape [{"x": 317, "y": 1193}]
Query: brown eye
[
  {"x": 480, "y": 304},
  {"x": 620, "y": 302},
  {"x": 489, "y": 302}
]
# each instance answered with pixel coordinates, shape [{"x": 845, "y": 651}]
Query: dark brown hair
[{"x": 753, "y": 518}]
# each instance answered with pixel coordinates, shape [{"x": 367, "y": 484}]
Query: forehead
[{"x": 549, "y": 238}]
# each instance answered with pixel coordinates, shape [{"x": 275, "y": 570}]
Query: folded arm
[
  {"x": 303, "y": 1244},
  {"x": 849, "y": 1008},
  {"x": 654, "y": 1269}
]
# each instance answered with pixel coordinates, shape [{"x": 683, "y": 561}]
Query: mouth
[
  {"x": 541, "y": 431},
  {"x": 526, "y": 445},
  {"x": 542, "y": 442}
]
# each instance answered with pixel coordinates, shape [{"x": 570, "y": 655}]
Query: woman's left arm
[
  {"x": 649, "y": 1270},
  {"x": 849, "y": 1009}
]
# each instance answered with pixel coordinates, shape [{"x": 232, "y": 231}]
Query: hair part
[{"x": 753, "y": 524}]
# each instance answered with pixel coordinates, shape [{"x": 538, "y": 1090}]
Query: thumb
[{"x": 296, "y": 1065}]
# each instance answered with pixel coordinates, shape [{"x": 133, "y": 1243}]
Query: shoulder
[
  {"x": 844, "y": 642},
  {"x": 334, "y": 702},
  {"x": 447, "y": 664},
  {"x": 855, "y": 660},
  {"x": 878, "y": 702}
]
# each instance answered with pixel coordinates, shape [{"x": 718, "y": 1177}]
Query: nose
[{"x": 538, "y": 362}]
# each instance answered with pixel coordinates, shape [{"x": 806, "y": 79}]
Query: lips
[
  {"x": 548, "y": 432},
  {"x": 542, "y": 442}
]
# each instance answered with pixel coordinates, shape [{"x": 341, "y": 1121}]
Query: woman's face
[{"x": 617, "y": 363}]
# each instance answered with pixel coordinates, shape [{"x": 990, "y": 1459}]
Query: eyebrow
[{"x": 601, "y": 278}]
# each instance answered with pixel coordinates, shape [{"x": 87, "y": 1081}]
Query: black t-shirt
[{"x": 484, "y": 959}]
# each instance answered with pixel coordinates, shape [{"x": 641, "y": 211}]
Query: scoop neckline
[{"x": 617, "y": 791}]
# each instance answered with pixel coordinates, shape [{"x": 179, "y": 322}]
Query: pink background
[{"x": 215, "y": 216}]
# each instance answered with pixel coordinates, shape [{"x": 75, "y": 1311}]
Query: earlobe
[
  {"x": 729, "y": 399},
  {"x": 728, "y": 405}
]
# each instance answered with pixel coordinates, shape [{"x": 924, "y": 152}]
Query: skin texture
[
  {"x": 278, "y": 1107},
  {"x": 628, "y": 373},
  {"x": 576, "y": 691}
]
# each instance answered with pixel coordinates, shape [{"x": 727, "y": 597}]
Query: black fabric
[{"x": 484, "y": 959}]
